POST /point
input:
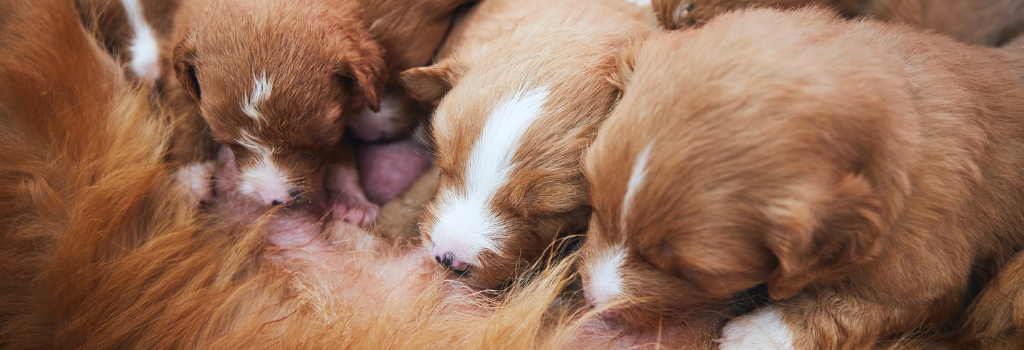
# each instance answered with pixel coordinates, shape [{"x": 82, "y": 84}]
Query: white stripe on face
[
  {"x": 636, "y": 179},
  {"x": 261, "y": 90},
  {"x": 606, "y": 275},
  {"x": 264, "y": 180},
  {"x": 466, "y": 226},
  {"x": 144, "y": 47}
]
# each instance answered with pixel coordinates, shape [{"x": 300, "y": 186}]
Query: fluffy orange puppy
[
  {"x": 523, "y": 94},
  {"x": 864, "y": 172}
]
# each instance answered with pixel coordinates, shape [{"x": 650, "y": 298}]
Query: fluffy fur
[
  {"x": 986, "y": 22},
  {"x": 276, "y": 89},
  {"x": 100, "y": 251},
  {"x": 510, "y": 131},
  {"x": 837, "y": 162}
]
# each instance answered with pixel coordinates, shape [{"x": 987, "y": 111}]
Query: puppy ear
[
  {"x": 812, "y": 240},
  {"x": 363, "y": 66},
  {"x": 622, "y": 68},
  {"x": 429, "y": 84},
  {"x": 185, "y": 66}
]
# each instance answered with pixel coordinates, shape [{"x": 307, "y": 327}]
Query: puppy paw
[
  {"x": 194, "y": 181},
  {"x": 763, "y": 329},
  {"x": 354, "y": 210}
]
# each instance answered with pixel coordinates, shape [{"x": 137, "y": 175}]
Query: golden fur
[
  {"x": 544, "y": 197},
  {"x": 985, "y": 22},
  {"x": 837, "y": 162},
  {"x": 100, "y": 251}
]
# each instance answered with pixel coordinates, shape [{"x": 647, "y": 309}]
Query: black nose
[
  {"x": 445, "y": 261},
  {"x": 275, "y": 202}
]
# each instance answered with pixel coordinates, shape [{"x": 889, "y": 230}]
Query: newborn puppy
[
  {"x": 274, "y": 81},
  {"x": 985, "y": 22},
  {"x": 510, "y": 132},
  {"x": 866, "y": 173}
]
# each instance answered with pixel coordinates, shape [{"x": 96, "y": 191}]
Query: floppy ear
[
  {"x": 362, "y": 65},
  {"x": 185, "y": 66},
  {"x": 429, "y": 84},
  {"x": 623, "y": 67},
  {"x": 814, "y": 240}
]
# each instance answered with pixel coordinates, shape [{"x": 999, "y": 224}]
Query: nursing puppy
[
  {"x": 275, "y": 85},
  {"x": 519, "y": 110},
  {"x": 985, "y": 22},
  {"x": 864, "y": 172}
]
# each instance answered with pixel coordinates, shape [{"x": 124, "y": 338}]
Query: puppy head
[
  {"x": 678, "y": 14},
  {"x": 722, "y": 171},
  {"x": 509, "y": 158},
  {"x": 275, "y": 88}
]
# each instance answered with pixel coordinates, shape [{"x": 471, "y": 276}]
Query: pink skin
[
  {"x": 350, "y": 204},
  {"x": 354, "y": 272},
  {"x": 387, "y": 170}
]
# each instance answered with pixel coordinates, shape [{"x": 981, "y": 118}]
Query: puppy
[
  {"x": 864, "y": 172},
  {"x": 510, "y": 132},
  {"x": 274, "y": 85},
  {"x": 985, "y": 22}
]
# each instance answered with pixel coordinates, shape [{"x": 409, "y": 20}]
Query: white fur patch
[
  {"x": 261, "y": 90},
  {"x": 763, "y": 329},
  {"x": 466, "y": 226},
  {"x": 636, "y": 179},
  {"x": 194, "y": 179},
  {"x": 144, "y": 47},
  {"x": 264, "y": 179},
  {"x": 606, "y": 275}
]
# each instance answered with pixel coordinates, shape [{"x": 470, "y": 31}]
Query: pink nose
[
  {"x": 449, "y": 261},
  {"x": 610, "y": 313}
]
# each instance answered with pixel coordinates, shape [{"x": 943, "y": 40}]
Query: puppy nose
[
  {"x": 276, "y": 199},
  {"x": 449, "y": 261}
]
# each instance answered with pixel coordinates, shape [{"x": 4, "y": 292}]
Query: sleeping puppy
[
  {"x": 275, "y": 84},
  {"x": 864, "y": 172},
  {"x": 524, "y": 97},
  {"x": 985, "y": 22}
]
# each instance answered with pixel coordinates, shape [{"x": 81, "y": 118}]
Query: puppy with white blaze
[
  {"x": 276, "y": 86},
  {"x": 866, "y": 175},
  {"x": 523, "y": 104}
]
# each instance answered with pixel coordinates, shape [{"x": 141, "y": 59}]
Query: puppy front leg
[
  {"x": 192, "y": 151},
  {"x": 342, "y": 184}
]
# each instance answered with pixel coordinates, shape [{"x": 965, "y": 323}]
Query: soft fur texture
[
  {"x": 867, "y": 173},
  {"x": 277, "y": 88},
  {"x": 100, "y": 251},
  {"x": 986, "y": 22},
  {"x": 517, "y": 54}
]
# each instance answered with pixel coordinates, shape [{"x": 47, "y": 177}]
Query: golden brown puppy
[
  {"x": 98, "y": 251},
  {"x": 522, "y": 105},
  {"x": 986, "y": 22},
  {"x": 863, "y": 171},
  {"x": 275, "y": 84}
]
